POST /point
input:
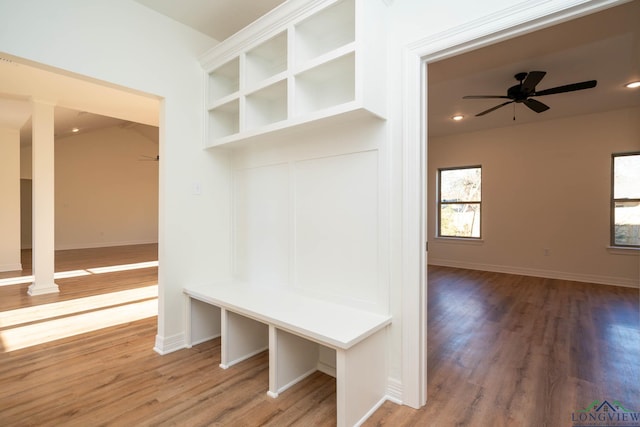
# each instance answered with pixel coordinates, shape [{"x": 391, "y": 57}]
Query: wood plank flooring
[
  {"x": 504, "y": 350},
  {"x": 507, "y": 350}
]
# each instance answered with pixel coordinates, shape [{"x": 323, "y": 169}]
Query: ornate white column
[{"x": 43, "y": 199}]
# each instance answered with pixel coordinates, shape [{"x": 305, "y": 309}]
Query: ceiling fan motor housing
[{"x": 517, "y": 93}]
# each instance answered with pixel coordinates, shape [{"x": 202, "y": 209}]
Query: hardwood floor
[
  {"x": 503, "y": 350},
  {"x": 506, "y": 350},
  {"x": 79, "y": 261}
]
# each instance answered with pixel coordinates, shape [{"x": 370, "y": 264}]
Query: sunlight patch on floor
[
  {"x": 29, "y": 326},
  {"x": 37, "y": 313},
  {"x": 123, "y": 267},
  {"x": 78, "y": 273},
  {"x": 50, "y": 330}
]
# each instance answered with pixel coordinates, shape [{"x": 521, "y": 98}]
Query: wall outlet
[{"x": 546, "y": 251}]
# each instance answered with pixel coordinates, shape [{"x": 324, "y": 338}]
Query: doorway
[{"x": 419, "y": 54}]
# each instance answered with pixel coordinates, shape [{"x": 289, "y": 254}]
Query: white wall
[
  {"x": 126, "y": 44},
  {"x": 104, "y": 195},
  {"x": 544, "y": 186},
  {"x": 10, "y": 200}
]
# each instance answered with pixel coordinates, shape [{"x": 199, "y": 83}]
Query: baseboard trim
[
  {"x": 394, "y": 391},
  {"x": 166, "y": 345},
  {"x": 11, "y": 267},
  {"x": 92, "y": 245},
  {"x": 327, "y": 369},
  {"x": 547, "y": 274},
  {"x": 203, "y": 340},
  {"x": 371, "y": 411},
  {"x": 294, "y": 381},
  {"x": 243, "y": 358}
]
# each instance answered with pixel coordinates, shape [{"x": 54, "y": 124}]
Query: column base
[{"x": 38, "y": 289}]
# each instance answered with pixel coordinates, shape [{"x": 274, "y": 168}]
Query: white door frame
[{"x": 520, "y": 19}]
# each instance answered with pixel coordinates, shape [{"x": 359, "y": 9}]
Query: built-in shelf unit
[
  {"x": 307, "y": 225},
  {"x": 312, "y": 64}
]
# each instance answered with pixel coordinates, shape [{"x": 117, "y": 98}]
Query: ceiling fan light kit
[{"x": 525, "y": 90}]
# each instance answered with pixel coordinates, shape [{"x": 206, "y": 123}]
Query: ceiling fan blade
[
  {"x": 535, "y": 105},
  {"x": 493, "y": 108},
  {"x": 567, "y": 88},
  {"x": 533, "y": 78},
  {"x": 485, "y": 97}
]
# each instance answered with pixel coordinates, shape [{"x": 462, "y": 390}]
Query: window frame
[
  {"x": 613, "y": 200},
  {"x": 439, "y": 203}
]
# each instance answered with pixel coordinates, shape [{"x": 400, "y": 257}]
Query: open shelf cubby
[
  {"x": 266, "y": 60},
  {"x": 327, "y": 85},
  {"x": 325, "y": 31},
  {"x": 224, "y": 120},
  {"x": 266, "y": 106},
  {"x": 224, "y": 80},
  {"x": 309, "y": 64}
]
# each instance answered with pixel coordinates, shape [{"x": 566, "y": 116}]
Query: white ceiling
[
  {"x": 216, "y": 18},
  {"x": 109, "y": 106},
  {"x": 603, "y": 46}
]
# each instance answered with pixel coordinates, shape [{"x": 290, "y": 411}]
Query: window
[
  {"x": 625, "y": 200},
  {"x": 459, "y": 202}
]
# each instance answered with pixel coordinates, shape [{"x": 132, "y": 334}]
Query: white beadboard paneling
[
  {"x": 261, "y": 225},
  {"x": 336, "y": 226}
]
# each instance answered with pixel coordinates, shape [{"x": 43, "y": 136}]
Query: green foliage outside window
[
  {"x": 460, "y": 202},
  {"x": 625, "y": 210}
]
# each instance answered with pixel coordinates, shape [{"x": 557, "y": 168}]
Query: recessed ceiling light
[
  {"x": 457, "y": 117},
  {"x": 633, "y": 85},
  {"x": 74, "y": 130}
]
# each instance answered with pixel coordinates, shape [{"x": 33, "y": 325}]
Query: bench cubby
[{"x": 294, "y": 327}]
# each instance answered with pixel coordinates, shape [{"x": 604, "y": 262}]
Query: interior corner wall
[
  {"x": 104, "y": 195},
  {"x": 545, "y": 186},
  {"x": 10, "y": 204}
]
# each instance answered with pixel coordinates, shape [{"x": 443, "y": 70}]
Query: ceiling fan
[{"x": 524, "y": 92}]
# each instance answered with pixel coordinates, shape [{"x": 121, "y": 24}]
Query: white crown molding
[
  {"x": 261, "y": 29},
  {"x": 516, "y": 20}
]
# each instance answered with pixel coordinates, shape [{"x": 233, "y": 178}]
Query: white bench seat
[
  {"x": 291, "y": 326},
  {"x": 333, "y": 325}
]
